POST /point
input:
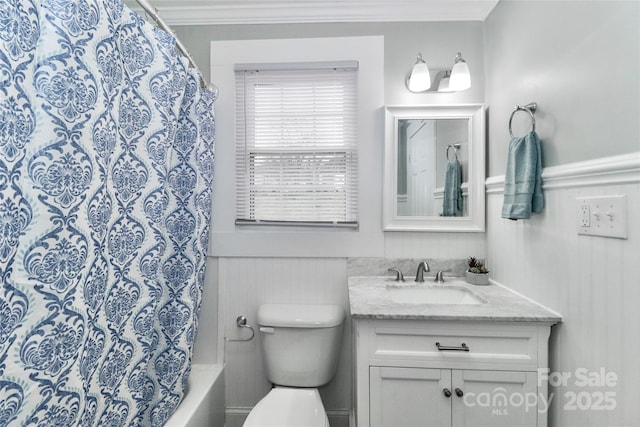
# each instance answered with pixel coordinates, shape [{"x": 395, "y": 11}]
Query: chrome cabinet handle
[
  {"x": 459, "y": 392},
  {"x": 447, "y": 392},
  {"x": 463, "y": 347}
]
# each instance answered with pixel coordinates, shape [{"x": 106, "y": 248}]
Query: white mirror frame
[{"x": 476, "y": 176}]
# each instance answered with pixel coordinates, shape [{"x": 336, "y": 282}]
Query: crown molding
[
  {"x": 614, "y": 170},
  {"x": 219, "y": 12}
]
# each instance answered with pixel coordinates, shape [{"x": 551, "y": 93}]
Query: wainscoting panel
[
  {"x": 592, "y": 281},
  {"x": 244, "y": 284},
  {"x": 414, "y": 244}
]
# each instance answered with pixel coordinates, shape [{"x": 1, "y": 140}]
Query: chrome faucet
[
  {"x": 439, "y": 277},
  {"x": 422, "y": 268}
]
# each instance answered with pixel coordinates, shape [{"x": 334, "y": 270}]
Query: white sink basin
[{"x": 432, "y": 295}]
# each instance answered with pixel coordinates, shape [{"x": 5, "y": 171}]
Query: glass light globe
[
  {"x": 460, "y": 76},
  {"x": 420, "y": 79}
]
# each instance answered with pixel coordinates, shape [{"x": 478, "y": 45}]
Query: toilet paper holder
[{"x": 241, "y": 322}]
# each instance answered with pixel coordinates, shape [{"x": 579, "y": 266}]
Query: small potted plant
[{"x": 477, "y": 274}]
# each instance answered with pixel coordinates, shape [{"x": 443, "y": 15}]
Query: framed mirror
[{"x": 434, "y": 168}]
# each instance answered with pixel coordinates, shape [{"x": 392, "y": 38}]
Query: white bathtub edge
[{"x": 203, "y": 405}]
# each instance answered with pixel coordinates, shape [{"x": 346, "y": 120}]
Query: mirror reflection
[{"x": 432, "y": 156}]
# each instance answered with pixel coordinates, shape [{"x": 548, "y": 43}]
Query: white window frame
[
  {"x": 228, "y": 239},
  {"x": 314, "y": 167}
]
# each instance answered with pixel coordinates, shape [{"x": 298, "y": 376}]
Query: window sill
[{"x": 244, "y": 224}]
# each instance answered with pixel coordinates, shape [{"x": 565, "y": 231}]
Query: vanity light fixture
[
  {"x": 460, "y": 76},
  {"x": 447, "y": 80},
  {"x": 419, "y": 79},
  {"x": 444, "y": 85}
]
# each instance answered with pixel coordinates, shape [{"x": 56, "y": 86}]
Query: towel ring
[
  {"x": 529, "y": 108},
  {"x": 455, "y": 151}
]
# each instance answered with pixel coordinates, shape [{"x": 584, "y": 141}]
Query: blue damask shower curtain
[{"x": 106, "y": 167}]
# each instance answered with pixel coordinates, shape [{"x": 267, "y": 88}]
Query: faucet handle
[
  {"x": 440, "y": 276},
  {"x": 399, "y": 275}
]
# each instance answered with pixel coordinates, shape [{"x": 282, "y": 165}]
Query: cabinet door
[
  {"x": 409, "y": 397},
  {"x": 494, "y": 398}
]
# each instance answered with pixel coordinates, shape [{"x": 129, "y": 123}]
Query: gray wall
[
  {"x": 580, "y": 61},
  {"x": 438, "y": 43},
  {"x": 245, "y": 380}
]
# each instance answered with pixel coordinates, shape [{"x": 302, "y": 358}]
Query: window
[{"x": 296, "y": 144}]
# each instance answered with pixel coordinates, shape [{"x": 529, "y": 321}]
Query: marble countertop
[{"x": 368, "y": 299}]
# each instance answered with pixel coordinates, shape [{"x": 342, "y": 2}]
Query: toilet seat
[{"x": 289, "y": 407}]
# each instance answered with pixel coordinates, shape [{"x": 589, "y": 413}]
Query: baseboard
[{"x": 614, "y": 170}]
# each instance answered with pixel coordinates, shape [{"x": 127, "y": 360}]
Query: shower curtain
[{"x": 106, "y": 167}]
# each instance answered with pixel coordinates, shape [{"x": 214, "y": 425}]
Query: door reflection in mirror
[{"x": 424, "y": 166}]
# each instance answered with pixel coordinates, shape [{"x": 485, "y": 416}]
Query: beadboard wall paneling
[
  {"x": 592, "y": 281},
  {"x": 244, "y": 284},
  {"x": 401, "y": 244}
]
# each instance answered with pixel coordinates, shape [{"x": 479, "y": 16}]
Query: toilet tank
[{"x": 300, "y": 342}]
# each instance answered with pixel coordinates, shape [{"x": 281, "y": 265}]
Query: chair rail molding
[{"x": 622, "y": 169}]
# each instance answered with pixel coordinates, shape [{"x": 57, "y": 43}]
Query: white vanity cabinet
[{"x": 419, "y": 373}]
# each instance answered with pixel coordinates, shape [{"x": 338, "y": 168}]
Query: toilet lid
[{"x": 289, "y": 407}]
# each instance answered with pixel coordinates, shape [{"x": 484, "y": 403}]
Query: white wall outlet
[
  {"x": 604, "y": 216},
  {"x": 584, "y": 215}
]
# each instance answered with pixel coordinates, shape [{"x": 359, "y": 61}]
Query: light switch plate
[{"x": 604, "y": 216}]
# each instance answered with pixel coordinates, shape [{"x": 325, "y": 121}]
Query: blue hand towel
[
  {"x": 523, "y": 178},
  {"x": 452, "y": 204}
]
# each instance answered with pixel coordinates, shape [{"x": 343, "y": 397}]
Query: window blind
[{"x": 296, "y": 145}]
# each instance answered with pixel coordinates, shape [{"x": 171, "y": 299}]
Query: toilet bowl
[
  {"x": 289, "y": 407},
  {"x": 300, "y": 347}
]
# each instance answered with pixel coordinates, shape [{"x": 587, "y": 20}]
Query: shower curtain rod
[{"x": 153, "y": 12}]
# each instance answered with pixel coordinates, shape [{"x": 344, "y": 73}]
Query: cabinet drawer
[{"x": 498, "y": 346}]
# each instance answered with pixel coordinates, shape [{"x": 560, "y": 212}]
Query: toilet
[{"x": 300, "y": 348}]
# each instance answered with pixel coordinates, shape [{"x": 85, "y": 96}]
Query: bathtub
[{"x": 203, "y": 405}]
